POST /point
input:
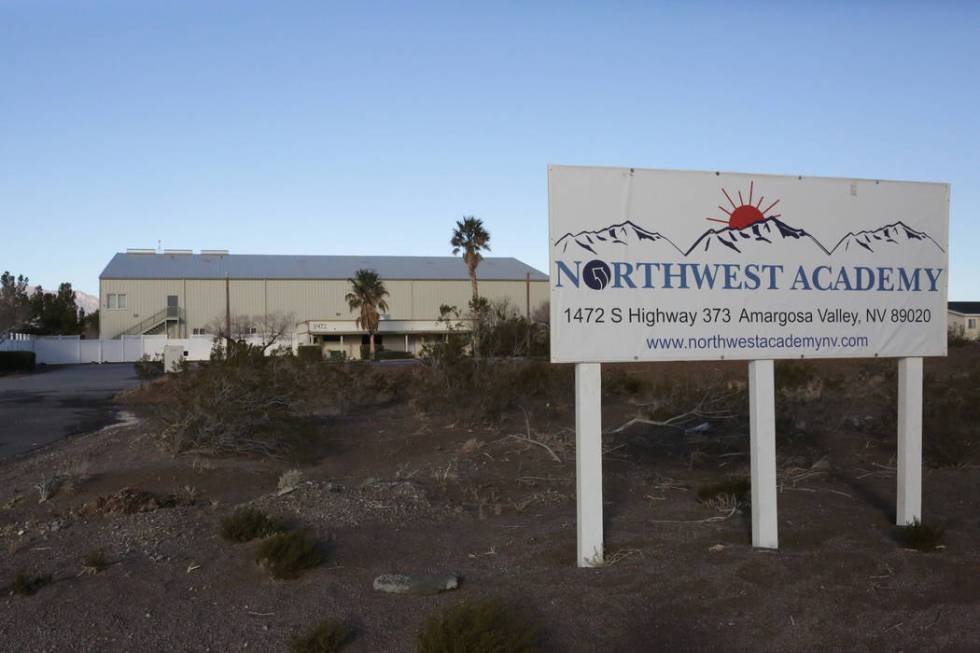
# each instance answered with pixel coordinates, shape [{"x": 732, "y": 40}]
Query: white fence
[{"x": 69, "y": 350}]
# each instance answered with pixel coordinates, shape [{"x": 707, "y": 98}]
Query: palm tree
[
  {"x": 471, "y": 238},
  {"x": 367, "y": 295}
]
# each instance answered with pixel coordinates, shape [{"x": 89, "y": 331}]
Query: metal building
[{"x": 182, "y": 294}]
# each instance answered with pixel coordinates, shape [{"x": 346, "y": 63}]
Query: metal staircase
[{"x": 169, "y": 314}]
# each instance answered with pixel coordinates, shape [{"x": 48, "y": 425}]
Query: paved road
[{"x": 55, "y": 402}]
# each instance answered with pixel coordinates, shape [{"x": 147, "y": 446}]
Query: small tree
[
  {"x": 271, "y": 328},
  {"x": 367, "y": 296},
  {"x": 55, "y": 313},
  {"x": 15, "y": 307}
]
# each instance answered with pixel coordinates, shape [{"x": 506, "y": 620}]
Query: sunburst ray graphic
[{"x": 744, "y": 213}]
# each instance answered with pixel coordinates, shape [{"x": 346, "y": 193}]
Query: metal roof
[
  {"x": 967, "y": 308},
  {"x": 268, "y": 266}
]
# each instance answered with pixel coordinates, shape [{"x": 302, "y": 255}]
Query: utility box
[{"x": 173, "y": 356}]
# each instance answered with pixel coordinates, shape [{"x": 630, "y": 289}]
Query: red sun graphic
[{"x": 744, "y": 213}]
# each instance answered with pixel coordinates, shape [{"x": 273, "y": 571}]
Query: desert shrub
[
  {"x": 94, "y": 561},
  {"x": 16, "y": 361},
  {"x": 391, "y": 355},
  {"x": 956, "y": 338},
  {"x": 488, "y": 626},
  {"x": 247, "y": 524},
  {"x": 309, "y": 353},
  {"x": 328, "y": 636},
  {"x": 247, "y": 403},
  {"x": 148, "y": 368},
  {"x": 617, "y": 382},
  {"x": 27, "y": 584},
  {"x": 483, "y": 389},
  {"x": 792, "y": 375},
  {"x": 739, "y": 488},
  {"x": 951, "y": 411},
  {"x": 286, "y": 555},
  {"x": 918, "y": 536}
]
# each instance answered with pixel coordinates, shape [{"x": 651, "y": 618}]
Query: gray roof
[
  {"x": 968, "y": 308},
  {"x": 266, "y": 266}
]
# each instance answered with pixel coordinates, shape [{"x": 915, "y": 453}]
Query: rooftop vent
[
  {"x": 214, "y": 252},
  {"x": 140, "y": 251},
  {"x": 178, "y": 252}
]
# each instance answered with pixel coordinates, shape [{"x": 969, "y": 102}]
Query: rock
[
  {"x": 716, "y": 548},
  {"x": 412, "y": 584}
]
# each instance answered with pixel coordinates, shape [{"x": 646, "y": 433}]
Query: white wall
[{"x": 72, "y": 350}]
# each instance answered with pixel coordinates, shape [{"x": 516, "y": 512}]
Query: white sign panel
[{"x": 667, "y": 265}]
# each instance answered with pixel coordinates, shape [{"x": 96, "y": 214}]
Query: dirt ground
[{"x": 393, "y": 492}]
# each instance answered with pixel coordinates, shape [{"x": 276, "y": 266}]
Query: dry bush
[
  {"x": 619, "y": 382},
  {"x": 286, "y": 555},
  {"x": 482, "y": 390},
  {"x": 94, "y": 562},
  {"x": 248, "y": 403},
  {"x": 736, "y": 487},
  {"x": 247, "y": 524},
  {"x": 289, "y": 481},
  {"x": 329, "y": 636},
  {"x": 951, "y": 412},
  {"x": 487, "y": 626},
  {"x": 27, "y": 584}
]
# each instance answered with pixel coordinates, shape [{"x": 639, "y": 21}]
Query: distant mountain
[
  {"x": 891, "y": 237},
  {"x": 612, "y": 239},
  {"x": 88, "y": 303},
  {"x": 771, "y": 231}
]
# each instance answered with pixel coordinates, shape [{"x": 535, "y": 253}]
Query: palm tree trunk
[
  {"x": 371, "y": 346},
  {"x": 475, "y": 307}
]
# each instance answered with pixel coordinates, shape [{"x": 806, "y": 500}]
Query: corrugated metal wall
[{"x": 203, "y": 300}]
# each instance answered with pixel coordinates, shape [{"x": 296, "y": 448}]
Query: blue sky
[{"x": 368, "y": 128}]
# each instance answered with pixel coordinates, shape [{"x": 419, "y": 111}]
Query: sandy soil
[{"x": 393, "y": 492}]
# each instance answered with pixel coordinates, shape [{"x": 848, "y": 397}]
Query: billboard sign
[{"x": 652, "y": 265}]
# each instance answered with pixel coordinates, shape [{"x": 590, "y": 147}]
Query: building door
[{"x": 173, "y": 313}]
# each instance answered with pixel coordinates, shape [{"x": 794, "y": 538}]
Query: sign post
[
  {"x": 667, "y": 265},
  {"x": 762, "y": 445},
  {"x": 588, "y": 463},
  {"x": 909, "y": 507}
]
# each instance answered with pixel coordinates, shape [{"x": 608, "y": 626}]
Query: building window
[
  {"x": 115, "y": 300},
  {"x": 971, "y": 323},
  {"x": 200, "y": 332}
]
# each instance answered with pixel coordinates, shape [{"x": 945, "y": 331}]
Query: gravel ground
[{"x": 396, "y": 494}]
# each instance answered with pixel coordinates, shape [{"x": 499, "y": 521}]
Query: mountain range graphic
[{"x": 730, "y": 241}]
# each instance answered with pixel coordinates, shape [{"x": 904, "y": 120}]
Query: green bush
[
  {"x": 247, "y": 524},
  {"x": 26, "y": 584},
  {"x": 328, "y": 636},
  {"x": 17, "y": 361},
  {"x": 488, "y": 626},
  {"x": 918, "y": 536},
  {"x": 286, "y": 555}
]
